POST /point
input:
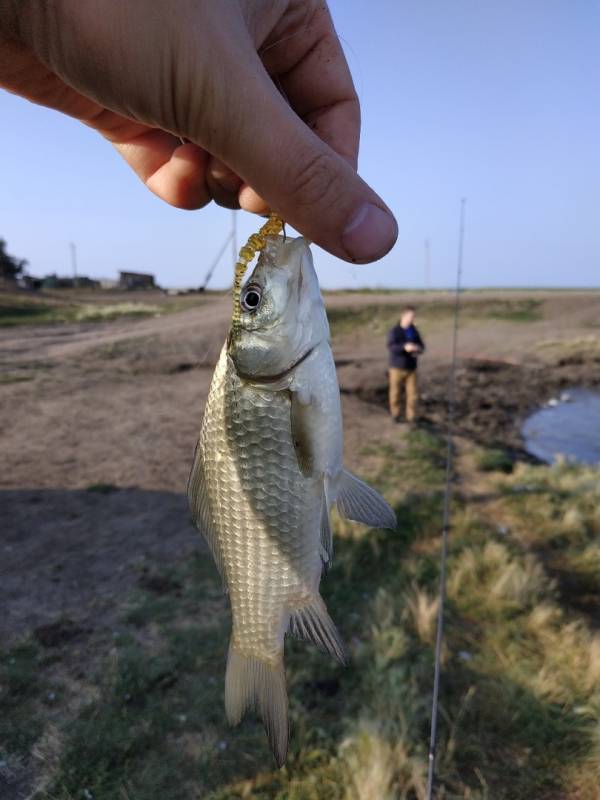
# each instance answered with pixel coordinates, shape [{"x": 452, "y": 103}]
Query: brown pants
[{"x": 409, "y": 379}]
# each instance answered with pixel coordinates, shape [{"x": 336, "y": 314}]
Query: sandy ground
[{"x": 98, "y": 423}]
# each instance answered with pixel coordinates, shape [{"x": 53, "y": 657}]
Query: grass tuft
[
  {"x": 494, "y": 460},
  {"x": 102, "y": 488},
  {"x": 380, "y": 317}
]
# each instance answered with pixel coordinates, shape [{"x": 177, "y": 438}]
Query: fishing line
[
  {"x": 446, "y": 515},
  {"x": 216, "y": 260}
]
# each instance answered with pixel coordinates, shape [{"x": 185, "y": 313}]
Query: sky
[{"x": 497, "y": 102}]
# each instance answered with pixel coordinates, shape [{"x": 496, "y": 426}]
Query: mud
[{"x": 493, "y": 397}]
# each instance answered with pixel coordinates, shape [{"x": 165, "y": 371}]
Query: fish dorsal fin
[
  {"x": 358, "y": 502},
  {"x": 200, "y": 508},
  {"x": 313, "y": 624}
]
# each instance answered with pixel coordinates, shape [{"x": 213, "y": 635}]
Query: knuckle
[{"x": 314, "y": 179}]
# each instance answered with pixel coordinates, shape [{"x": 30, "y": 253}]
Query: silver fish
[{"x": 268, "y": 468}]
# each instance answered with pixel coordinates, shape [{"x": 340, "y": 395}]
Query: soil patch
[
  {"x": 69, "y": 557},
  {"x": 492, "y": 397}
]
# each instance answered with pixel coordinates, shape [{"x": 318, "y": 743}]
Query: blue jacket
[{"x": 397, "y": 338}]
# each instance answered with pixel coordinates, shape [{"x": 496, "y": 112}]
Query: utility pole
[{"x": 73, "y": 250}]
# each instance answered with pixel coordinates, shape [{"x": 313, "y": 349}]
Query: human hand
[
  {"x": 410, "y": 348},
  {"x": 144, "y": 74}
]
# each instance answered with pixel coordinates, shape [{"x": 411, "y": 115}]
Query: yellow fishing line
[{"x": 272, "y": 227}]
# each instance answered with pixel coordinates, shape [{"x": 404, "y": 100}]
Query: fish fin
[
  {"x": 302, "y": 435},
  {"x": 358, "y": 502},
  {"x": 200, "y": 509},
  {"x": 326, "y": 536},
  {"x": 313, "y": 624},
  {"x": 252, "y": 683}
]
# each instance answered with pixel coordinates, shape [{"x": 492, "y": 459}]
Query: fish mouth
[{"x": 279, "y": 375}]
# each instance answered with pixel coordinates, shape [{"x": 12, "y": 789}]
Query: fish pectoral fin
[
  {"x": 326, "y": 535},
  {"x": 250, "y": 682},
  {"x": 359, "y": 502},
  {"x": 313, "y": 624},
  {"x": 200, "y": 509},
  {"x": 302, "y": 434}
]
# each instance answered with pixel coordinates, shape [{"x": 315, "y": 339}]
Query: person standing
[{"x": 404, "y": 345}]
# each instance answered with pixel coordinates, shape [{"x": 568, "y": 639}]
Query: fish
[{"x": 267, "y": 470}]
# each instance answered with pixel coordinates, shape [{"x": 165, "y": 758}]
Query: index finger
[{"x": 306, "y": 60}]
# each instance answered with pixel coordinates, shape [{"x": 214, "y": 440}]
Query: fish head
[{"x": 282, "y": 314}]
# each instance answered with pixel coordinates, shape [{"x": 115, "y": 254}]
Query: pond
[{"x": 568, "y": 426}]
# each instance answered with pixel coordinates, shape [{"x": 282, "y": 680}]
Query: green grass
[
  {"x": 38, "y": 313},
  {"x": 527, "y": 310},
  {"x": 419, "y": 461},
  {"x": 62, "y": 306},
  {"x": 379, "y": 317},
  {"x": 16, "y": 313},
  {"x": 20, "y": 371},
  {"x": 495, "y": 460},
  {"x": 102, "y": 488},
  {"x": 15, "y": 377},
  {"x": 521, "y": 671},
  {"x": 21, "y": 686}
]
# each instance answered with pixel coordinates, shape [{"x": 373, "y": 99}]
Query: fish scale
[{"x": 250, "y": 465}]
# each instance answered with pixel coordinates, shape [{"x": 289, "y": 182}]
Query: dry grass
[
  {"x": 553, "y": 503},
  {"x": 423, "y": 610},
  {"x": 79, "y": 305},
  {"x": 97, "y": 313},
  {"x": 380, "y": 768},
  {"x": 581, "y": 346},
  {"x": 496, "y": 580}
]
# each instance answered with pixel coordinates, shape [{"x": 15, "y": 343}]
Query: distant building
[
  {"x": 29, "y": 282},
  {"x": 81, "y": 282},
  {"x": 84, "y": 282},
  {"x": 51, "y": 281},
  {"x": 136, "y": 280}
]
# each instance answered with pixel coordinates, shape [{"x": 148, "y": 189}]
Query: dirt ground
[{"x": 99, "y": 422}]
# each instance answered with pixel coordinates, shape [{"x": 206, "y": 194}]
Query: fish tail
[
  {"x": 313, "y": 623},
  {"x": 253, "y": 683}
]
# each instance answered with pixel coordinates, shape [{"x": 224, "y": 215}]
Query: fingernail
[
  {"x": 369, "y": 233},
  {"x": 224, "y": 176}
]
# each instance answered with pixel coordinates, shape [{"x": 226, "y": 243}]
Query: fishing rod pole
[{"x": 446, "y": 515}]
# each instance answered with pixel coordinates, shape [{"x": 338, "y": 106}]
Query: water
[{"x": 569, "y": 429}]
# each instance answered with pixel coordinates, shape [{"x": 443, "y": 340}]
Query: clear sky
[{"x": 496, "y": 101}]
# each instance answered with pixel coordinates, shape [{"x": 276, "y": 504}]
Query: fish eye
[{"x": 251, "y": 297}]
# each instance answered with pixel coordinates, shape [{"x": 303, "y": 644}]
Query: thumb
[{"x": 303, "y": 179}]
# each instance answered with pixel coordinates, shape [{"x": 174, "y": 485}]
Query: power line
[{"x": 446, "y": 514}]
